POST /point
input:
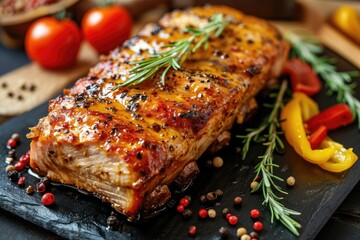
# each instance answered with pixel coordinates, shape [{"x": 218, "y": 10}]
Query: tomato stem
[{"x": 61, "y": 15}]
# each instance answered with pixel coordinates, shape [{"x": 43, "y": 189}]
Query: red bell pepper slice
[
  {"x": 317, "y": 137},
  {"x": 332, "y": 117},
  {"x": 302, "y": 77}
]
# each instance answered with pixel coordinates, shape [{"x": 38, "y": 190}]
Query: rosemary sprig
[
  {"x": 268, "y": 134},
  {"x": 176, "y": 53},
  {"x": 339, "y": 83}
]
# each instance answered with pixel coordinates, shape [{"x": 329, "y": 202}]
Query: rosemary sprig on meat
[
  {"x": 176, "y": 53},
  {"x": 339, "y": 83},
  {"x": 268, "y": 134}
]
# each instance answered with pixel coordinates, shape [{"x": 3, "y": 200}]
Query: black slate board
[{"x": 316, "y": 195}]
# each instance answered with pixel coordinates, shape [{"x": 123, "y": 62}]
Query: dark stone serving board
[{"x": 317, "y": 193}]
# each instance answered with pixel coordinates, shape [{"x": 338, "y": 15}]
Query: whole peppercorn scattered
[
  {"x": 253, "y": 239},
  {"x": 211, "y": 196},
  {"x": 16, "y": 137},
  {"x": 9, "y": 168},
  {"x": 254, "y": 235},
  {"x": 188, "y": 198},
  {"x": 13, "y": 175},
  {"x": 9, "y": 160},
  {"x": 233, "y": 220},
  {"x": 21, "y": 181},
  {"x": 11, "y": 143},
  {"x": 11, "y": 153},
  {"x": 187, "y": 213},
  {"x": 203, "y": 199},
  {"x": 19, "y": 166},
  {"x": 245, "y": 237},
  {"x": 208, "y": 163},
  {"x": 40, "y": 187},
  {"x": 228, "y": 216},
  {"x": 240, "y": 231},
  {"x": 48, "y": 199},
  {"x": 24, "y": 159},
  {"x": 46, "y": 181},
  {"x": 192, "y": 230},
  {"x": 257, "y": 178},
  {"x": 112, "y": 222},
  {"x": 224, "y": 232},
  {"x": 211, "y": 213},
  {"x": 180, "y": 208},
  {"x": 254, "y": 213},
  {"x": 29, "y": 190},
  {"x": 254, "y": 185},
  {"x": 203, "y": 213},
  {"x": 184, "y": 202},
  {"x": 238, "y": 200},
  {"x": 290, "y": 181},
  {"x": 218, "y": 162},
  {"x": 257, "y": 226},
  {"x": 225, "y": 211},
  {"x": 219, "y": 193}
]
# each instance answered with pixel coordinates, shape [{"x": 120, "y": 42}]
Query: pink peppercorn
[
  {"x": 48, "y": 199},
  {"x": 258, "y": 226},
  {"x": 233, "y": 220},
  {"x": 203, "y": 213},
  {"x": 255, "y": 213}
]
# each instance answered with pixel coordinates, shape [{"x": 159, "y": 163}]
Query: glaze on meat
[{"x": 127, "y": 146}]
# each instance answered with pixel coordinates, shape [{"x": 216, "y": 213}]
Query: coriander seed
[
  {"x": 211, "y": 213},
  {"x": 218, "y": 162},
  {"x": 290, "y": 181},
  {"x": 241, "y": 231},
  {"x": 254, "y": 185},
  {"x": 9, "y": 168},
  {"x": 245, "y": 237}
]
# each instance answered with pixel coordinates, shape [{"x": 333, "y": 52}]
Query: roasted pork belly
[{"x": 128, "y": 145}]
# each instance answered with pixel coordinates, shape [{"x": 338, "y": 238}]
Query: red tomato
[
  {"x": 105, "y": 28},
  {"x": 53, "y": 43},
  {"x": 302, "y": 77}
]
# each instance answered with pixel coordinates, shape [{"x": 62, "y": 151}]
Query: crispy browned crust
[{"x": 123, "y": 144}]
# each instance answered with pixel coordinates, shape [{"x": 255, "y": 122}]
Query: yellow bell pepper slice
[
  {"x": 292, "y": 124},
  {"x": 309, "y": 107},
  {"x": 342, "y": 159},
  {"x": 346, "y": 19}
]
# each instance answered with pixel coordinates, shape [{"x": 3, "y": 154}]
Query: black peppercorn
[
  {"x": 254, "y": 235},
  {"x": 187, "y": 213},
  {"x": 211, "y": 196},
  {"x": 188, "y": 198},
  {"x": 219, "y": 193},
  {"x": 11, "y": 153},
  {"x": 203, "y": 199},
  {"x": 224, "y": 232},
  {"x": 225, "y": 211},
  {"x": 13, "y": 175},
  {"x": 46, "y": 181},
  {"x": 112, "y": 222}
]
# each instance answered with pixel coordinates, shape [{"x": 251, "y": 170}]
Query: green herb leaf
[
  {"x": 176, "y": 53},
  {"x": 338, "y": 83},
  {"x": 269, "y": 130}
]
